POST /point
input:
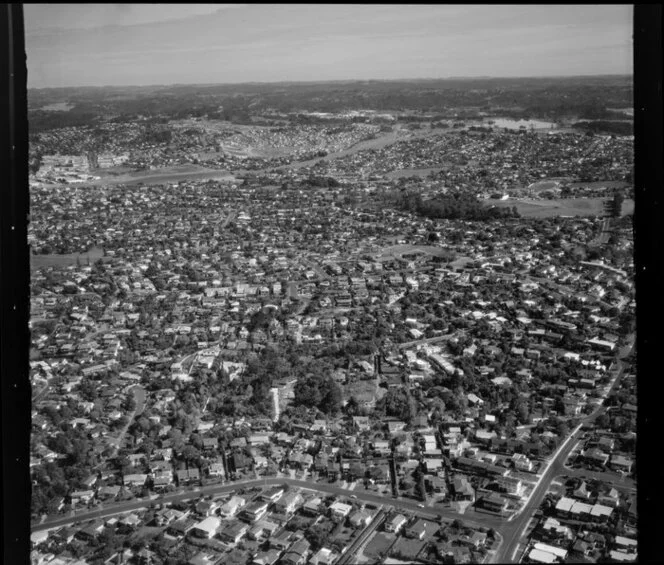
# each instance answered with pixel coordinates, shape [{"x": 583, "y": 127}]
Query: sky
[{"x": 146, "y": 44}]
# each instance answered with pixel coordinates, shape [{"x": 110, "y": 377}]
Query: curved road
[
  {"x": 512, "y": 532},
  {"x": 139, "y": 397},
  {"x": 119, "y": 508}
]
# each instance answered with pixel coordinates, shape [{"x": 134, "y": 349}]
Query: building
[
  {"x": 421, "y": 529},
  {"x": 494, "y": 502},
  {"x": 207, "y": 528},
  {"x": 340, "y": 511},
  {"x": 395, "y": 523},
  {"x": 234, "y": 532},
  {"x": 231, "y": 507},
  {"x": 255, "y": 510},
  {"x": 297, "y": 553},
  {"x": 289, "y": 502}
]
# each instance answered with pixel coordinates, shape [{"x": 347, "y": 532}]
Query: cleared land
[{"x": 561, "y": 207}]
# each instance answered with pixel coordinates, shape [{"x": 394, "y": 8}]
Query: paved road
[
  {"x": 620, "y": 482},
  {"x": 513, "y": 532},
  {"x": 139, "y": 397},
  {"x": 412, "y": 506},
  {"x": 436, "y": 339}
]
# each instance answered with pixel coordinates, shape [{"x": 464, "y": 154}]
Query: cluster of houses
[
  {"x": 497, "y": 335},
  {"x": 66, "y": 154},
  {"x": 263, "y": 526},
  {"x": 518, "y": 303},
  {"x": 596, "y": 523},
  {"x": 492, "y": 162}
]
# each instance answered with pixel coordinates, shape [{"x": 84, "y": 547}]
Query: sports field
[
  {"x": 54, "y": 260},
  {"x": 562, "y": 207}
]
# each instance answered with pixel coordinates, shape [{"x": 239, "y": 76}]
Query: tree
[
  {"x": 458, "y": 524},
  {"x": 420, "y": 489},
  {"x": 318, "y": 392},
  {"x": 190, "y": 454},
  {"x": 316, "y": 536},
  {"x": 352, "y": 406}
]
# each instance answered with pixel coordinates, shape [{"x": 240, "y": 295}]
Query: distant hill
[{"x": 551, "y": 98}]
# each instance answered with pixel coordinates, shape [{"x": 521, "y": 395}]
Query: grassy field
[
  {"x": 413, "y": 172},
  {"x": 121, "y": 175},
  {"x": 388, "y": 253},
  {"x": 562, "y": 207},
  {"x": 599, "y": 184},
  {"x": 54, "y": 260}
]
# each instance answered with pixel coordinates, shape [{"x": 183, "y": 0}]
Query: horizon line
[{"x": 338, "y": 81}]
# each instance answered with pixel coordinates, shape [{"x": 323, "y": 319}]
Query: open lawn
[
  {"x": 561, "y": 207},
  {"x": 188, "y": 172},
  {"x": 54, "y": 260},
  {"x": 393, "y": 251},
  {"x": 380, "y": 544},
  {"x": 413, "y": 172}
]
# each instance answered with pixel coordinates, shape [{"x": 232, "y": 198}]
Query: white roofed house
[
  {"x": 82, "y": 496},
  {"x": 474, "y": 399},
  {"x": 521, "y": 462},
  {"x": 289, "y": 502},
  {"x": 273, "y": 494},
  {"x": 216, "y": 469},
  {"x": 207, "y": 528},
  {"x": 544, "y": 553},
  {"x": 554, "y": 530},
  {"x": 324, "y": 556},
  {"x": 263, "y": 529},
  {"x": 395, "y": 523},
  {"x": 360, "y": 518},
  {"x": 231, "y": 507},
  {"x": 621, "y": 463},
  {"x": 340, "y": 511},
  {"x": 135, "y": 480},
  {"x": 255, "y": 510}
]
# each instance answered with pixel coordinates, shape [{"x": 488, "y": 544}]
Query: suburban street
[
  {"x": 432, "y": 513},
  {"x": 513, "y": 531},
  {"x": 139, "y": 397}
]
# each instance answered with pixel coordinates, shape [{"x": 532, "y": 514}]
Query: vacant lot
[{"x": 562, "y": 207}]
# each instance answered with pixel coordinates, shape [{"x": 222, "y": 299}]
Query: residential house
[
  {"x": 421, "y": 529},
  {"x": 206, "y": 528},
  {"x": 234, "y": 532},
  {"x": 254, "y": 510},
  {"x": 297, "y": 553},
  {"x": 339, "y": 511},
  {"x": 395, "y": 523}
]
